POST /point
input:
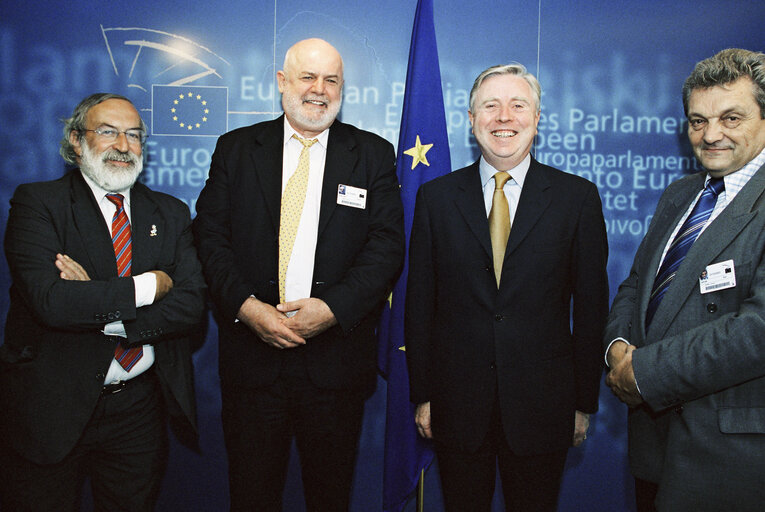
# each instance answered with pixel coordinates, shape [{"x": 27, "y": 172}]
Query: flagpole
[{"x": 421, "y": 491}]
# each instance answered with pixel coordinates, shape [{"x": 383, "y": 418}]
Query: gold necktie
[
  {"x": 293, "y": 199},
  {"x": 499, "y": 223}
]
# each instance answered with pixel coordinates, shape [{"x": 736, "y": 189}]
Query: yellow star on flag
[{"x": 418, "y": 153}]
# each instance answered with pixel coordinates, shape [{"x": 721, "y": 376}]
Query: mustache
[
  {"x": 323, "y": 99},
  {"x": 119, "y": 156}
]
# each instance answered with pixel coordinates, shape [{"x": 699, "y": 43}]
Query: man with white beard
[
  {"x": 300, "y": 232},
  {"x": 106, "y": 291}
]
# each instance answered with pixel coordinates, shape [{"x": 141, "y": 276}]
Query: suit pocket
[{"x": 741, "y": 420}]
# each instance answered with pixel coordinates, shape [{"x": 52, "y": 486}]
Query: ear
[
  {"x": 74, "y": 139},
  {"x": 470, "y": 117},
  {"x": 281, "y": 79}
]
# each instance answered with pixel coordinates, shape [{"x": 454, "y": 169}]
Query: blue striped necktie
[{"x": 682, "y": 243}]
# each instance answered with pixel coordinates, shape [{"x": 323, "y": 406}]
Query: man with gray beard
[
  {"x": 106, "y": 290},
  {"x": 300, "y": 232}
]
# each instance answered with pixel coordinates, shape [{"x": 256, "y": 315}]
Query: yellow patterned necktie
[
  {"x": 291, "y": 209},
  {"x": 499, "y": 223}
]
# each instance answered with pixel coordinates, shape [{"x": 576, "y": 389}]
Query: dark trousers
[
  {"x": 259, "y": 425},
  {"x": 123, "y": 450},
  {"x": 529, "y": 482},
  {"x": 645, "y": 495}
]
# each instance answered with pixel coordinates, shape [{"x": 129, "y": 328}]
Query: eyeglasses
[{"x": 133, "y": 136}]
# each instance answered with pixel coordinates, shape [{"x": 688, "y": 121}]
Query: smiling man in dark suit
[
  {"x": 300, "y": 232},
  {"x": 106, "y": 288},
  {"x": 499, "y": 250},
  {"x": 685, "y": 339}
]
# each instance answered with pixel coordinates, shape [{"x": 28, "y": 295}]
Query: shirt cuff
[
  {"x": 605, "y": 356},
  {"x": 115, "y": 329},
  {"x": 145, "y": 289}
]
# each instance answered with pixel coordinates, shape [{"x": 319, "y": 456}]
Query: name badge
[
  {"x": 352, "y": 196},
  {"x": 718, "y": 276}
]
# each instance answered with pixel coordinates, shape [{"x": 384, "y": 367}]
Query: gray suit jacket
[{"x": 701, "y": 366}]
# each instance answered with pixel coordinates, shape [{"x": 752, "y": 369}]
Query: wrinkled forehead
[{"x": 114, "y": 112}]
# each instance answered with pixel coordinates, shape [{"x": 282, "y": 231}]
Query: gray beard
[
  {"x": 292, "y": 103},
  {"x": 107, "y": 176}
]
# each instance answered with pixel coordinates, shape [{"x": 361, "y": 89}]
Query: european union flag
[
  {"x": 189, "y": 110},
  {"x": 423, "y": 154}
]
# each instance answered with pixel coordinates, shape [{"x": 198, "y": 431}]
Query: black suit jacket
[
  {"x": 55, "y": 357},
  {"x": 358, "y": 253},
  {"x": 469, "y": 343}
]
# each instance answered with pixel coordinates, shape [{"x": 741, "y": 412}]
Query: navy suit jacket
[
  {"x": 359, "y": 251},
  {"x": 55, "y": 357},
  {"x": 701, "y": 365},
  {"x": 470, "y": 345}
]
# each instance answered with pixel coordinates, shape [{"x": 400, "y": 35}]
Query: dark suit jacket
[
  {"x": 358, "y": 253},
  {"x": 55, "y": 358},
  {"x": 468, "y": 343},
  {"x": 701, "y": 366}
]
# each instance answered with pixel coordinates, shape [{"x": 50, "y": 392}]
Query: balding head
[{"x": 311, "y": 84}]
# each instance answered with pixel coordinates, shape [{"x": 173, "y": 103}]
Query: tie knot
[
  {"x": 306, "y": 142},
  {"x": 116, "y": 199},
  {"x": 716, "y": 185},
  {"x": 500, "y": 179}
]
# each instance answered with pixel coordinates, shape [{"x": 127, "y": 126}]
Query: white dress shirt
[
  {"x": 300, "y": 270},
  {"x": 512, "y": 186}
]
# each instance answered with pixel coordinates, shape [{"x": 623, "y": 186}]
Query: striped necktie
[
  {"x": 123, "y": 251},
  {"x": 682, "y": 243}
]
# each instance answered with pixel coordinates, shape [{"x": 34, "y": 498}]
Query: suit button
[
  {"x": 117, "y": 314},
  {"x": 712, "y": 307},
  {"x": 110, "y": 316},
  {"x": 498, "y": 318},
  {"x": 100, "y": 377},
  {"x": 679, "y": 409},
  {"x": 487, "y": 269},
  {"x": 493, "y": 366}
]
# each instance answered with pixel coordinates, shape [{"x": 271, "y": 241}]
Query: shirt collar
[
  {"x": 518, "y": 172},
  {"x": 735, "y": 181},
  {"x": 289, "y": 131}
]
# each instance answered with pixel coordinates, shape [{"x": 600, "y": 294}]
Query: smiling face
[
  {"x": 113, "y": 164},
  {"x": 504, "y": 118},
  {"x": 311, "y": 85},
  {"x": 725, "y": 126}
]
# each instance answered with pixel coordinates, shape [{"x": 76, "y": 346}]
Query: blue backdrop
[{"x": 611, "y": 73}]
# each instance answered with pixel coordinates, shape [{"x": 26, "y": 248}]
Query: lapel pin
[{"x": 153, "y": 231}]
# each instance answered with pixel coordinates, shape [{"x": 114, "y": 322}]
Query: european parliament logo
[{"x": 189, "y": 110}]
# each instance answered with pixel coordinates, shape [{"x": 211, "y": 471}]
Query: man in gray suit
[{"x": 685, "y": 340}]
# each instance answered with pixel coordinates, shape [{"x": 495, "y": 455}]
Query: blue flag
[
  {"x": 189, "y": 110},
  {"x": 423, "y": 154}
]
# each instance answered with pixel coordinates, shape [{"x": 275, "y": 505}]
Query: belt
[{"x": 116, "y": 387}]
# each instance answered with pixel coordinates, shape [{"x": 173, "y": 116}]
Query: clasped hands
[
  {"x": 621, "y": 377},
  {"x": 311, "y": 316}
]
